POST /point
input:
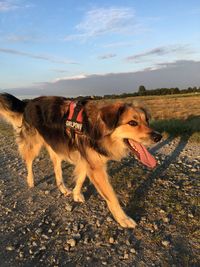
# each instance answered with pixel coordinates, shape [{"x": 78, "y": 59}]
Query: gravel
[{"x": 41, "y": 227}]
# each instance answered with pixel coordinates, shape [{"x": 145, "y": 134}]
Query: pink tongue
[{"x": 144, "y": 156}]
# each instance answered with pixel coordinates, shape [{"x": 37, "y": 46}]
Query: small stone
[
  {"x": 109, "y": 219},
  {"x": 86, "y": 240},
  {"x": 165, "y": 219},
  {"x": 38, "y": 231},
  {"x": 132, "y": 250},
  {"x": 155, "y": 226},
  {"x": 165, "y": 243},
  {"x": 81, "y": 226},
  {"x": 111, "y": 240},
  {"x": 53, "y": 224},
  {"x": 126, "y": 256},
  {"x": 46, "y": 192},
  {"x": 98, "y": 223},
  {"x": 43, "y": 248},
  {"x": 23, "y": 231},
  {"x": 96, "y": 236},
  {"x": 10, "y": 248},
  {"x": 21, "y": 254},
  {"x": 45, "y": 237},
  {"x": 34, "y": 244},
  {"x": 129, "y": 184},
  {"x": 68, "y": 207},
  {"x": 66, "y": 247},
  {"x": 104, "y": 262},
  {"x": 75, "y": 228},
  {"x": 14, "y": 205},
  {"x": 71, "y": 242},
  {"x": 162, "y": 211}
]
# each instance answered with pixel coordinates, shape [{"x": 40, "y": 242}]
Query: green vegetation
[
  {"x": 142, "y": 91},
  {"x": 189, "y": 128}
]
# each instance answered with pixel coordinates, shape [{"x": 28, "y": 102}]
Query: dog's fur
[{"x": 41, "y": 122}]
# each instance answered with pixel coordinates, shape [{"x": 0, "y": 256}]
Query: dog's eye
[{"x": 133, "y": 123}]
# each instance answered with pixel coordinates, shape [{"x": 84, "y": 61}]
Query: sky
[{"x": 98, "y": 47}]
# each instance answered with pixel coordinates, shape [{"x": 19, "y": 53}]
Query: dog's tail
[{"x": 11, "y": 109}]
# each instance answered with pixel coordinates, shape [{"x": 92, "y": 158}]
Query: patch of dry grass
[{"x": 169, "y": 106}]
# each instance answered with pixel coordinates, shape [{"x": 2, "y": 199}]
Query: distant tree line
[{"x": 142, "y": 91}]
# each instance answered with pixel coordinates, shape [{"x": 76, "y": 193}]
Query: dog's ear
[
  {"x": 144, "y": 109},
  {"x": 103, "y": 122},
  {"x": 110, "y": 115}
]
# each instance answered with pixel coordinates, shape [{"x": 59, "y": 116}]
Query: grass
[
  {"x": 179, "y": 127},
  {"x": 167, "y": 107}
]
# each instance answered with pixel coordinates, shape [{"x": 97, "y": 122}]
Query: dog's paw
[
  {"x": 78, "y": 197},
  {"x": 66, "y": 192},
  {"x": 127, "y": 222}
]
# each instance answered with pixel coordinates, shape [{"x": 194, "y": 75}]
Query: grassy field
[{"x": 176, "y": 115}]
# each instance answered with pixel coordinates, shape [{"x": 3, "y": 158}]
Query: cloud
[
  {"x": 107, "y": 56},
  {"x": 14, "y": 38},
  {"x": 30, "y": 55},
  {"x": 101, "y": 21},
  {"x": 9, "y": 5},
  {"x": 159, "y": 51},
  {"x": 71, "y": 78},
  {"x": 182, "y": 74},
  {"x": 118, "y": 44},
  {"x": 59, "y": 70}
]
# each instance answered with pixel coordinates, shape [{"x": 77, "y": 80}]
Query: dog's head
[{"x": 130, "y": 124}]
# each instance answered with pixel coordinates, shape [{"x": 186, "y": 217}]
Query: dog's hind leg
[
  {"x": 80, "y": 175},
  {"x": 29, "y": 148},
  {"x": 58, "y": 171}
]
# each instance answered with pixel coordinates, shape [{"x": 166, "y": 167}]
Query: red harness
[{"x": 74, "y": 120}]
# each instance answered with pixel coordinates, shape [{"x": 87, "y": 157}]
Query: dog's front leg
[
  {"x": 99, "y": 178},
  {"x": 80, "y": 175}
]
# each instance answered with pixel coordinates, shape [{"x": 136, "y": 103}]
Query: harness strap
[{"x": 75, "y": 117}]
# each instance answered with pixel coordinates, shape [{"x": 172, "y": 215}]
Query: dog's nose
[{"x": 156, "y": 137}]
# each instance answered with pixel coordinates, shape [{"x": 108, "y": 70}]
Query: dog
[{"x": 86, "y": 133}]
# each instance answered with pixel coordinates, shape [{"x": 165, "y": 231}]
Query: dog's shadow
[{"x": 136, "y": 207}]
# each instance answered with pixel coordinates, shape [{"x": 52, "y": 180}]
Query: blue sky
[{"x": 47, "y": 41}]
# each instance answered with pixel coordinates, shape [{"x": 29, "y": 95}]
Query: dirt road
[{"x": 40, "y": 227}]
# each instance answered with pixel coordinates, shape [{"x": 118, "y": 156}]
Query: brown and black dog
[{"x": 107, "y": 132}]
